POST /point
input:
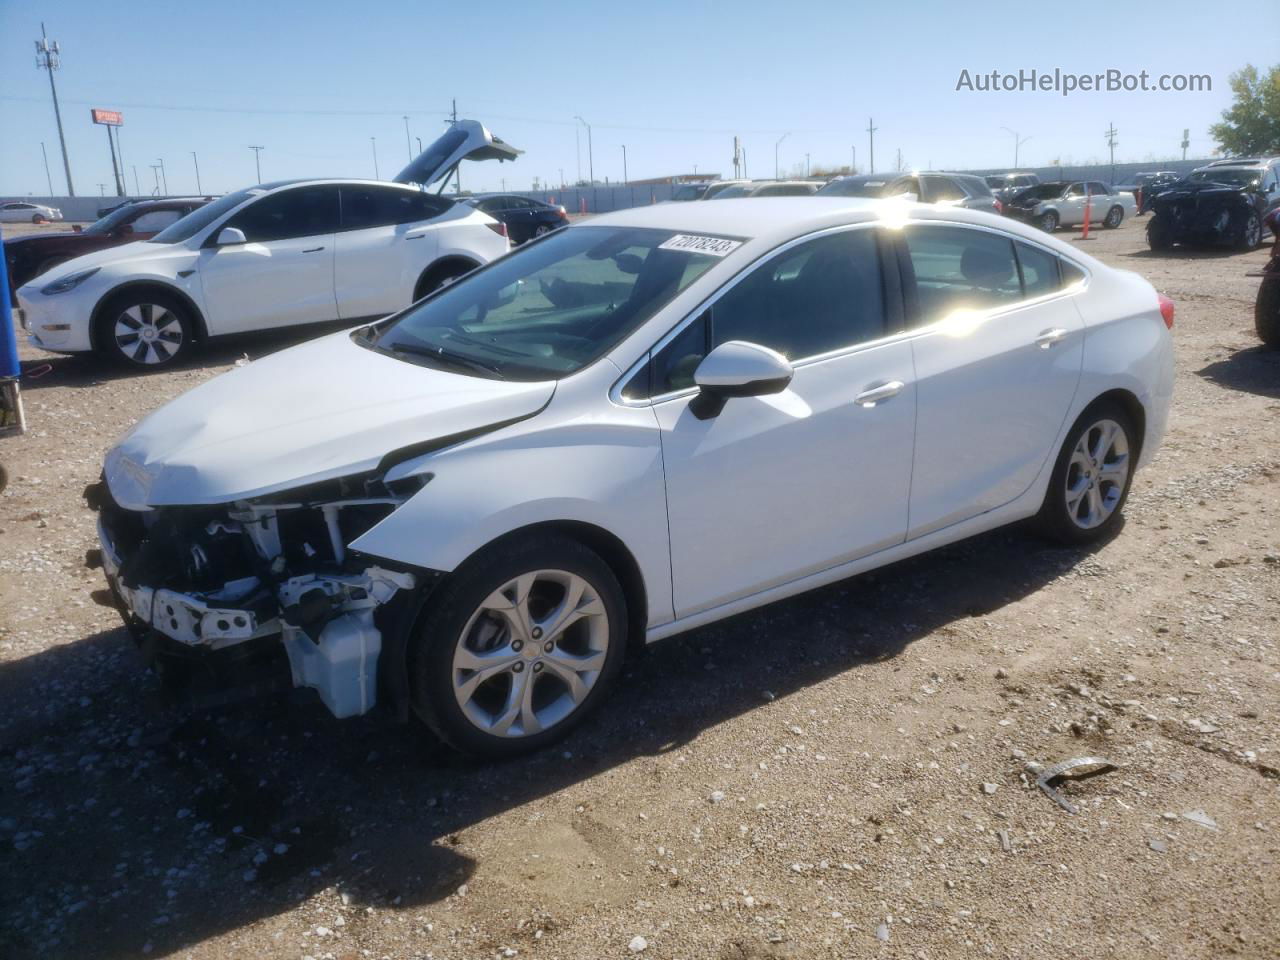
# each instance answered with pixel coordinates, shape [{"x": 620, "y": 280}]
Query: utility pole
[
  {"x": 374, "y": 142},
  {"x": 577, "y": 150},
  {"x": 419, "y": 139},
  {"x": 408, "y": 144},
  {"x": 155, "y": 172},
  {"x": 163, "y": 179},
  {"x": 257, "y": 160},
  {"x": 591, "y": 163},
  {"x": 49, "y": 57},
  {"x": 102, "y": 189},
  {"x": 777, "y": 143},
  {"x": 1111, "y": 144},
  {"x": 744, "y": 161},
  {"x": 45, "y": 153},
  {"x": 562, "y": 178},
  {"x": 853, "y": 159},
  {"x": 871, "y": 134},
  {"x": 899, "y": 168},
  {"x": 137, "y": 187},
  {"x": 625, "y": 179},
  {"x": 1017, "y": 143},
  {"x": 1186, "y": 142},
  {"x": 737, "y": 159},
  {"x": 806, "y": 164},
  {"x": 196, "y": 161}
]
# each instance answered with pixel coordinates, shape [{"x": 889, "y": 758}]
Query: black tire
[
  {"x": 1056, "y": 519},
  {"x": 1266, "y": 312},
  {"x": 1159, "y": 236},
  {"x": 439, "y": 634},
  {"x": 1250, "y": 233},
  {"x": 1048, "y": 222},
  {"x": 38, "y": 218},
  {"x": 4, "y": 478},
  {"x": 1113, "y": 218},
  {"x": 144, "y": 330},
  {"x": 439, "y": 276}
]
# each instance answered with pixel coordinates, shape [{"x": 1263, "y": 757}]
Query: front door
[
  {"x": 778, "y": 487},
  {"x": 1071, "y": 206},
  {"x": 997, "y": 361},
  {"x": 283, "y": 273}
]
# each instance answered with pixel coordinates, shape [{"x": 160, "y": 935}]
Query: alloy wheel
[
  {"x": 531, "y": 653},
  {"x": 1252, "y": 232},
  {"x": 1097, "y": 473},
  {"x": 147, "y": 333}
]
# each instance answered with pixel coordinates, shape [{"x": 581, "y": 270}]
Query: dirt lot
[{"x": 843, "y": 774}]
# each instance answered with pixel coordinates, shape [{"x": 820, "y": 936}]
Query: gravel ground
[{"x": 841, "y": 774}]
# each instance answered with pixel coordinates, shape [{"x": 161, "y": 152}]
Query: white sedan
[
  {"x": 628, "y": 428},
  {"x": 273, "y": 255},
  {"x": 21, "y": 211}
]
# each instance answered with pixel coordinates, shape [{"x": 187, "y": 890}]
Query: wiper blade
[{"x": 446, "y": 356}]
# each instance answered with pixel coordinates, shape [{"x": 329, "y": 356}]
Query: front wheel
[
  {"x": 38, "y": 218},
  {"x": 1113, "y": 218},
  {"x": 518, "y": 646},
  {"x": 1091, "y": 477},
  {"x": 1250, "y": 234},
  {"x": 146, "y": 329},
  {"x": 1158, "y": 235},
  {"x": 1048, "y": 222},
  {"x": 1266, "y": 312}
]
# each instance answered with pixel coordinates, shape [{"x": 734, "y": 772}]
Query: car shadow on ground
[
  {"x": 87, "y": 370},
  {"x": 129, "y": 823},
  {"x": 1252, "y": 370}
]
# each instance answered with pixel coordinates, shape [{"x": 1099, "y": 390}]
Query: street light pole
[
  {"x": 625, "y": 178},
  {"x": 163, "y": 179},
  {"x": 374, "y": 142},
  {"x": 777, "y": 144},
  {"x": 871, "y": 134},
  {"x": 196, "y": 161},
  {"x": 44, "y": 153},
  {"x": 1017, "y": 143},
  {"x": 591, "y": 164},
  {"x": 257, "y": 160},
  {"x": 408, "y": 145}
]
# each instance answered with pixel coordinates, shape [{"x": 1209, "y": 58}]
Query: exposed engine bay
[{"x": 216, "y": 577}]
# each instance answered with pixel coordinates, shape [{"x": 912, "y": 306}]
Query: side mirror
[
  {"x": 230, "y": 235},
  {"x": 737, "y": 369}
]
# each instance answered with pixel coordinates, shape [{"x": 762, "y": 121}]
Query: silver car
[{"x": 951, "y": 189}]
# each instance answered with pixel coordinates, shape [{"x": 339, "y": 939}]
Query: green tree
[{"x": 1252, "y": 125}]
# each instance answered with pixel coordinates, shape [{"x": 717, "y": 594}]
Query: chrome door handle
[
  {"x": 1048, "y": 338},
  {"x": 869, "y": 398},
  {"x": 313, "y": 250},
  {"x": 414, "y": 236}
]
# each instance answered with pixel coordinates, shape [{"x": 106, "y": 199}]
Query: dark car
[
  {"x": 957, "y": 189},
  {"x": 1007, "y": 185},
  {"x": 1224, "y": 203},
  {"x": 29, "y": 256},
  {"x": 525, "y": 218},
  {"x": 1146, "y": 186}
]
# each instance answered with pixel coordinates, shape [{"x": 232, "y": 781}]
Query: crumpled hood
[{"x": 325, "y": 409}]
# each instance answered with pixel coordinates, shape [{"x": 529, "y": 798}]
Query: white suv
[{"x": 273, "y": 255}]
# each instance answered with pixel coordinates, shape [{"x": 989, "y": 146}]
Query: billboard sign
[{"x": 112, "y": 118}]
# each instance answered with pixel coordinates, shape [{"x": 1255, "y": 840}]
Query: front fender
[{"x": 605, "y": 472}]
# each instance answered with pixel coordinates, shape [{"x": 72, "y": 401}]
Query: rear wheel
[
  {"x": 1048, "y": 222},
  {"x": 1113, "y": 218},
  {"x": 1266, "y": 312},
  {"x": 145, "y": 329},
  {"x": 518, "y": 646},
  {"x": 1091, "y": 477},
  {"x": 1158, "y": 234},
  {"x": 38, "y": 218},
  {"x": 543, "y": 230},
  {"x": 440, "y": 276}
]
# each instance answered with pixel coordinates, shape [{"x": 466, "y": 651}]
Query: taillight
[
  {"x": 563, "y": 213},
  {"x": 999, "y": 206},
  {"x": 1166, "y": 310},
  {"x": 498, "y": 227}
]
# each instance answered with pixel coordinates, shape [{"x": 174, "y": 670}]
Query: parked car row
[{"x": 272, "y": 255}]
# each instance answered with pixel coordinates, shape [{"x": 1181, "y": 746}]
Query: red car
[{"x": 30, "y": 256}]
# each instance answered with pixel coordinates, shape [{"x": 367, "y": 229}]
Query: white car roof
[{"x": 770, "y": 221}]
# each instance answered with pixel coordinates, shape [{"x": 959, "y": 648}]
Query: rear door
[
  {"x": 997, "y": 361},
  {"x": 283, "y": 273},
  {"x": 384, "y": 242},
  {"x": 1099, "y": 200}
]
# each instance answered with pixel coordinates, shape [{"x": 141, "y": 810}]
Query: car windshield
[
  {"x": 195, "y": 221},
  {"x": 995, "y": 183},
  {"x": 111, "y": 220},
  {"x": 728, "y": 193},
  {"x": 548, "y": 310},
  {"x": 1232, "y": 176},
  {"x": 855, "y": 188}
]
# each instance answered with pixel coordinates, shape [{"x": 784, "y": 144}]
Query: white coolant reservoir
[{"x": 343, "y": 666}]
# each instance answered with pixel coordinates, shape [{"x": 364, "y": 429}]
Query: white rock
[{"x": 638, "y": 944}]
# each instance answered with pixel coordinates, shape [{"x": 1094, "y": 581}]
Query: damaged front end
[
  {"x": 264, "y": 573},
  {"x": 1207, "y": 214}
]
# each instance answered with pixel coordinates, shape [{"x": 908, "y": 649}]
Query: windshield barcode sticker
[{"x": 713, "y": 246}]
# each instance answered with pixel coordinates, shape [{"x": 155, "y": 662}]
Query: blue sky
[{"x": 313, "y": 82}]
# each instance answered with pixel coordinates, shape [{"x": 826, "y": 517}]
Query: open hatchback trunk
[{"x": 464, "y": 140}]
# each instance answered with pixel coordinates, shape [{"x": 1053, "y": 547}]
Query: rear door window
[
  {"x": 941, "y": 189},
  {"x": 365, "y": 206},
  {"x": 1040, "y": 271},
  {"x": 956, "y": 268}
]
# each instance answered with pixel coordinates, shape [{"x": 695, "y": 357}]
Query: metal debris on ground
[{"x": 1048, "y": 776}]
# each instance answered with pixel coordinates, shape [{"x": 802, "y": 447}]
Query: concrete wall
[{"x": 77, "y": 209}]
